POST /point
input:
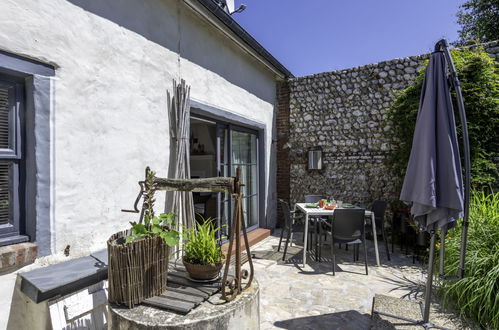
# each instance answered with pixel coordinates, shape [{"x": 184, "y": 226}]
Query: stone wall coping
[
  {"x": 65, "y": 277},
  {"x": 486, "y": 45}
]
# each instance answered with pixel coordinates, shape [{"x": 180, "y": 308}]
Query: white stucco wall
[{"x": 114, "y": 62}]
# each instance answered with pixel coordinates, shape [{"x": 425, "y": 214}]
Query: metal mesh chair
[
  {"x": 379, "y": 207},
  {"x": 313, "y": 198},
  {"x": 290, "y": 226},
  {"x": 348, "y": 226},
  {"x": 318, "y": 221}
]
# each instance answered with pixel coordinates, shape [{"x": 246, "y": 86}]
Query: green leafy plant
[
  {"x": 201, "y": 244},
  {"x": 162, "y": 225},
  {"x": 479, "y": 79},
  {"x": 476, "y": 295}
]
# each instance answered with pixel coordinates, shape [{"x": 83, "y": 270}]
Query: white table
[{"x": 322, "y": 212}]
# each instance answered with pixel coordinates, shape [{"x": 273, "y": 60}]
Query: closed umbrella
[{"x": 433, "y": 183}]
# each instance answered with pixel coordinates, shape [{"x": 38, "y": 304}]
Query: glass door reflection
[{"x": 238, "y": 147}]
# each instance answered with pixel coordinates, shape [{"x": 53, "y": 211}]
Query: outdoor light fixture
[
  {"x": 238, "y": 10},
  {"x": 315, "y": 158}
]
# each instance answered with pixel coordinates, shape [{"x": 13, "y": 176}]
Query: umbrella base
[{"x": 389, "y": 310}]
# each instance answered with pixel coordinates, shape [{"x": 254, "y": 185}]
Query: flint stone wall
[{"x": 345, "y": 113}]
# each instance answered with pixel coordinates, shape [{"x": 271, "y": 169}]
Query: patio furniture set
[{"x": 333, "y": 222}]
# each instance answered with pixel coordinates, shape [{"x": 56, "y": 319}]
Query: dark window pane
[
  {"x": 4, "y": 117},
  {"x": 5, "y": 192}
]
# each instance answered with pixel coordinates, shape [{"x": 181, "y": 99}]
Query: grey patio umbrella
[
  {"x": 433, "y": 182},
  {"x": 179, "y": 117}
]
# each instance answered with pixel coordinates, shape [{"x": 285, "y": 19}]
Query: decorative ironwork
[{"x": 230, "y": 288}]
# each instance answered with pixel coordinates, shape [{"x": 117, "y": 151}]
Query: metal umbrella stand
[{"x": 434, "y": 183}]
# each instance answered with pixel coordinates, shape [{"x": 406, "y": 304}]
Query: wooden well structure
[{"x": 232, "y": 285}]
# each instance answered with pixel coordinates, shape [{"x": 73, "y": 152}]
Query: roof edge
[{"x": 240, "y": 32}]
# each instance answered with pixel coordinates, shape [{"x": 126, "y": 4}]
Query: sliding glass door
[{"x": 238, "y": 147}]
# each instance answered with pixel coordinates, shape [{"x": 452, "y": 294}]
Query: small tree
[
  {"x": 479, "y": 21},
  {"x": 479, "y": 79}
]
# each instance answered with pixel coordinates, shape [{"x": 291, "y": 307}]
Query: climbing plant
[{"x": 479, "y": 77}]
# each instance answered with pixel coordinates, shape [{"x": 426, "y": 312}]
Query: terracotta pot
[{"x": 203, "y": 272}]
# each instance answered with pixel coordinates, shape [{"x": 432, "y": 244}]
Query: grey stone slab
[
  {"x": 63, "y": 278},
  {"x": 396, "y": 306},
  {"x": 101, "y": 255}
]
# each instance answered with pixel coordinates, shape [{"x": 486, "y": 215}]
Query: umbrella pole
[
  {"x": 444, "y": 47},
  {"x": 429, "y": 278}
]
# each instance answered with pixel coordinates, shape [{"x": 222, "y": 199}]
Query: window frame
[
  {"x": 35, "y": 176},
  {"x": 14, "y": 154}
]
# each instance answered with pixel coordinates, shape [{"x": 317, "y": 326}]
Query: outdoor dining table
[{"x": 318, "y": 211}]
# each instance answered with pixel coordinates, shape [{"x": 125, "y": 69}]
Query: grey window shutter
[
  {"x": 4, "y": 117},
  {"x": 5, "y": 166},
  {"x": 5, "y": 192}
]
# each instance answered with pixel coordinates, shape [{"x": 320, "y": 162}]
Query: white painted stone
[{"x": 114, "y": 63}]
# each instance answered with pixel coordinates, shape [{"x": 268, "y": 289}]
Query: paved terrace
[{"x": 293, "y": 297}]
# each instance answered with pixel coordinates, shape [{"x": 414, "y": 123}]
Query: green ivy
[{"x": 479, "y": 79}]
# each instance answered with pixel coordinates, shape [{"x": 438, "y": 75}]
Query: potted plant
[
  {"x": 138, "y": 258},
  {"x": 203, "y": 257}
]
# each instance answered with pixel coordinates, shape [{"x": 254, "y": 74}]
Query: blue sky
[{"x": 312, "y": 36}]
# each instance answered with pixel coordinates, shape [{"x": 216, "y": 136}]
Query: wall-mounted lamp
[{"x": 315, "y": 158}]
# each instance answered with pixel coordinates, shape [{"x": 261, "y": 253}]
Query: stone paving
[{"x": 293, "y": 297}]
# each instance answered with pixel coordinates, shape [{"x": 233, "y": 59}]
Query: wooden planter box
[{"x": 137, "y": 270}]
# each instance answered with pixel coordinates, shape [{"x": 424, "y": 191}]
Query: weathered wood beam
[{"x": 218, "y": 184}]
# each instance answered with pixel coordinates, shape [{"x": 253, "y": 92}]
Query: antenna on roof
[
  {"x": 228, "y": 6},
  {"x": 238, "y": 10}
]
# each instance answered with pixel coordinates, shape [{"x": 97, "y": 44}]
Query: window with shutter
[
  {"x": 4, "y": 167},
  {"x": 11, "y": 94}
]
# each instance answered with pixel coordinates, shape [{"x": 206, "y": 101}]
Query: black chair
[
  {"x": 317, "y": 221},
  {"x": 321, "y": 220},
  {"x": 313, "y": 198},
  {"x": 348, "y": 226},
  {"x": 290, "y": 226},
  {"x": 379, "y": 207}
]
